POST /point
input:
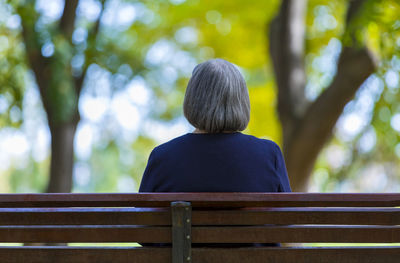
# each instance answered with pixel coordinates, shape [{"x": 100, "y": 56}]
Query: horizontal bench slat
[
  {"x": 162, "y": 216},
  {"x": 203, "y": 255},
  {"x": 84, "y": 255},
  {"x": 297, "y": 234},
  {"x": 201, "y": 200},
  {"x": 301, "y": 216},
  {"x": 69, "y": 234},
  {"x": 297, "y": 255},
  {"x": 260, "y": 234},
  {"x": 84, "y": 216}
]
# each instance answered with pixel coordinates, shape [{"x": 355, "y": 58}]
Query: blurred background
[{"x": 89, "y": 87}]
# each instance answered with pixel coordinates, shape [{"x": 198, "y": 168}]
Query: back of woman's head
[{"x": 216, "y": 98}]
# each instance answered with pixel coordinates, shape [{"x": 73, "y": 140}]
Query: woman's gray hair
[{"x": 216, "y": 98}]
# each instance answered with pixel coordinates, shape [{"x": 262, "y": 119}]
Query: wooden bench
[{"x": 185, "y": 218}]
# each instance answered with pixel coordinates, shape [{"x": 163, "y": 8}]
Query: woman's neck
[{"x": 201, "y": 131}]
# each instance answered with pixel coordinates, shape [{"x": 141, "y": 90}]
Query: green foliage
[
  {"x": 36, "y": 182},
  {"x": 142, "y": 147},
  {"x": 62, "y": 90},
  {"x": 263, "y": 119},
  {"x": 12, "y": 73},
  {"x": 221, "y": 31},
  {"x": 377, "y": 26}
]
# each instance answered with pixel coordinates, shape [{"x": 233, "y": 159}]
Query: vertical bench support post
[{"x": 181, "y": 213}]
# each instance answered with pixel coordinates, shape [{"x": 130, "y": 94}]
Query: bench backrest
[{"x": 186, "y": 218}]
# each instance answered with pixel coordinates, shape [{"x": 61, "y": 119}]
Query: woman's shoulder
[
  {"x": 171, "y": 144},
  {"x": 190, "y": 140},
  {"x": 261, "y": 142}
]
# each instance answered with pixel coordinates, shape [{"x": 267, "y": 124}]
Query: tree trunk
[
  {"x": 307, "y": 126},
  {"x": 57, "y": 86},
  {"x": 62, "y": 157}
]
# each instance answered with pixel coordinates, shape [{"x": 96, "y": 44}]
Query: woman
[{"x": 216, "y": 157}]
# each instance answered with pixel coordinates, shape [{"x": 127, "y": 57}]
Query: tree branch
[
  {"x": 91, "y": 40},
  {"x": 313, "y": 131},
  {"x": 67, "y": 22},
  {"x": 315, "y": 127},
  {"x": 287, "y": 36},
  {"x": 354, "y": 8},
  {"x": 39, "y": 64}
]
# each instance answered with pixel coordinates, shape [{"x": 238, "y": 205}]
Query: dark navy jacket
[{"x": 219, "y": 162}]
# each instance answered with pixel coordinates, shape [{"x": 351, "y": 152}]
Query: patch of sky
[
  {"x": 125, "y": 112},
  {"x": 160, "y": 52},
  {"x": 358, "y": 113},
  {"x": 13, "y": 22},
  {"x": 324, "y": 20},
  {"x": 367, "y": 141},
  {"x": 392, "y": 79},
  {"x": 337, "y": 156},
  {"x": 34, "y": 124},
  {"x": 186, "y": 35},
  {"x": 138, "y": 91},
  {"x": 79, "y": 36},
  {"x": 5, "y": 11},
  {"x": 395, "y": 122},
  {"x": 324, "y": 67},
  {"x": 165, "y": 52},
  {"x": 98, "y": 81},
  {"x": 50, "y": 10},
  {"x": 15, "y": 114},
  {"x": 164, "y": 131},
  {"x": 90, "y": 9},
  {"x": 81, "y": 174},
  {"x": 184, "y": 62},
  {"x": 120, "y": 15},
  {"x": 14, "y": 147},
  {"x": 93, "y": 108},
  {"x": 47, "y": 49},
  {"x": 86, "y": 134}
]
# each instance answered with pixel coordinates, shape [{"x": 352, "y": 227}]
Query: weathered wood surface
[
  {"x": 201, "y": 200},
  {"x": 252, "y": 234},
  {"x": 162, "y": 216},
  {"x": 181, "y": 216},
  {"x": 215, "y": 218},
  {"x": 200, "y": 255}
]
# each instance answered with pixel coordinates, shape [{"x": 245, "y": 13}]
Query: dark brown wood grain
[
  {"x": 84, "y": 255},
  {"x": 291, "y": 216},
  {"x": 162, "y": 216},
  {"x": 181, "y": 216},
  {"x": 217, "y": 218},
  {"x": 298, "y": 255},
  {"x": 85, "y": 216},
  {"x": 70, "y": 234},
  {"x": 200, "y": 255},
  {"x": 297, "y": 234},
  {"x": 255, "y": 234},
  {"x": 201, "y": 200}
]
